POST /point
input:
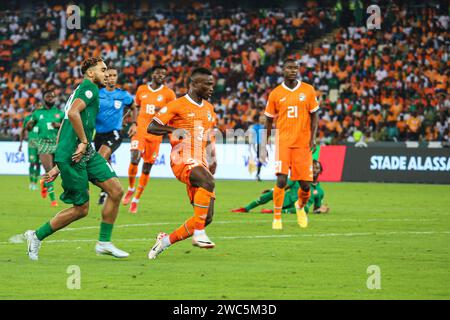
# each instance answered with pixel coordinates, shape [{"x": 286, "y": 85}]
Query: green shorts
[
  {"x": 46, "y": 146},
  {"x": 33, "y": 156},
  {"x": 76, "y": 176}
]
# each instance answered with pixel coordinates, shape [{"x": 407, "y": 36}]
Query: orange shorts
[
  {"x": 297, "y": 160},
  {"x": 148, "y": 145},
  {"x": 182, "y": 171}
]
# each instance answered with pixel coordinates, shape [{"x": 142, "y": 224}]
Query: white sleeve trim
[
  {"x": 269, "y": 115},
  {"x": 159, "y": 121},
  {"x": 315, "y": 109}
]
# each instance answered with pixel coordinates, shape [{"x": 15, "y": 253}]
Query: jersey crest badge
[
  {"x": 302, "y": 97},
  {"x": 159, "y": 98},
  {"x": 88, "y": 94},
  {"x": 117, "y": 104}
]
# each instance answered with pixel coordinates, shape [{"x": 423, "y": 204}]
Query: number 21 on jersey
[{"x": 292, "y": 112}]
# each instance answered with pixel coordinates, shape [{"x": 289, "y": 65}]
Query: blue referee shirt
[
  {"x": 112, "y": 103},
  {"x": 258, "y": 127}
]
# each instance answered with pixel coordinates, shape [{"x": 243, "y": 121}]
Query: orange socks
[
  {"x": 278, "y": 198},
  {"x": 132, "y": 172},
  {"x": 202, "y": 198},
  {"x": 183, "y": 232},
  {"x": 303, "y": 197},
  {"x": 143, "y": 180}
]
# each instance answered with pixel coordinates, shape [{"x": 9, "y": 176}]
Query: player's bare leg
[
  {"x": 132, "y": 171},
  {"x": 143, "y": 180},
  {"x": 105, "y": 152},
  {"x": 303, "y": 196},
  {"x": 109, "y": 214},
  {"x": 47, "y": 187},
  {"x": 278, "y": 199}
]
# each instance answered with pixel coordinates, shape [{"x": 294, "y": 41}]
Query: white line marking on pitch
[
  {"x": 249, "y": 221},
  {"x": 351, "y": 234}
]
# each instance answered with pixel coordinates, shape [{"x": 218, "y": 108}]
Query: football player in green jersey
[
  {"x": 33, "y": 158},
  {"x": 47, "y": 120},
  {"x": 78, "y": 163}
]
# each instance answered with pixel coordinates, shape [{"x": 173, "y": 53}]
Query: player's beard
[{"x": 48, "y": 104}]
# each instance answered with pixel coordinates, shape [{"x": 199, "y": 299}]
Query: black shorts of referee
[{"x": 111, "y": 139}]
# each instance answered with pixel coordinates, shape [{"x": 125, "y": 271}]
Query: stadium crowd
[{"x": 389, "y": 84}]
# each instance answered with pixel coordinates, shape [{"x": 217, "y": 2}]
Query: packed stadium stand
[{"x": 390, "y": 84}]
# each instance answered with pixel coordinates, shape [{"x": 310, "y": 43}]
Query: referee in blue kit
[{"x": 108, "y": 126}]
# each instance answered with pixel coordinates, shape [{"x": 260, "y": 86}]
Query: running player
[
  {"x": 150, "y": 98},
  {"x": 191, "y": 117},
  {"x": 78, "y": 163},
  {"x": 294, "y": 104},
  {"x": 108, "y": 125},
  {"x": 47, "y": 119},
  {"x": 33, "y": 158}
]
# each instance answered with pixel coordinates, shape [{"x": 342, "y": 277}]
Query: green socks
[
  {"x": 105, "y": 232},
  {"x": 31, "y": 174},
  {"x": 266, "y": 197},
  {"x": 51, "y": 190},
  {"x": 252, "y": 205},
  {"x": 44, "y": 231}
]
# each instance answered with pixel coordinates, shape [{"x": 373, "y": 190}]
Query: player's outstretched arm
[
  {"x": 314, "y": 125},
  {"x": 22, "y": 135},
  {"x": 134, "y": 113},
  {"x": 75, "y": 119},
  {"x": 266, "y": 142},
  {"x": 158, "y": 129}
]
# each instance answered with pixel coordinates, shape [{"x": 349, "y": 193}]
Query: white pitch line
[
  {"x": 248, "y": 221},
  {"x": 351, "y": 234}
]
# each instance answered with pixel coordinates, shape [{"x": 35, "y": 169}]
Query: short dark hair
[
  {"x": 200, "y": 70},
  {"x": 156, "y": 67},
  {"x": 289, "y": 60},
  {"x": 47, "y": 91},
  {"x": 90, "y": 62},
  {"x": 113, "y": 68}
]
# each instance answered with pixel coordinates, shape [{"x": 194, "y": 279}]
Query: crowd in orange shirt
[
  {"x": 243, "y": 48},
  {"x": 390, "y": 84}
]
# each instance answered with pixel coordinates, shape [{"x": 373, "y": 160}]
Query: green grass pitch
[{"x": 403, "y": 229}]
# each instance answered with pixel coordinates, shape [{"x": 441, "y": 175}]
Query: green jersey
[
  {"x": 44, "y": 119},
  {"x": 33, "y": 133},
  {"x": 68, "y": 139}
]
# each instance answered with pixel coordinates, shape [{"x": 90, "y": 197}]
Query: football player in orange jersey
[
  {"x": 150, "y": 98},
  {"x": 191, "y": 120},
  {"x": 294, "y": 104}
]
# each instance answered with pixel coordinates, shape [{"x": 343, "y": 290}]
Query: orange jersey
[
  {"x": 150, "y": 101},
  {"x": 292, "y": 107},
  {"x": 197, "y": 120}
]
